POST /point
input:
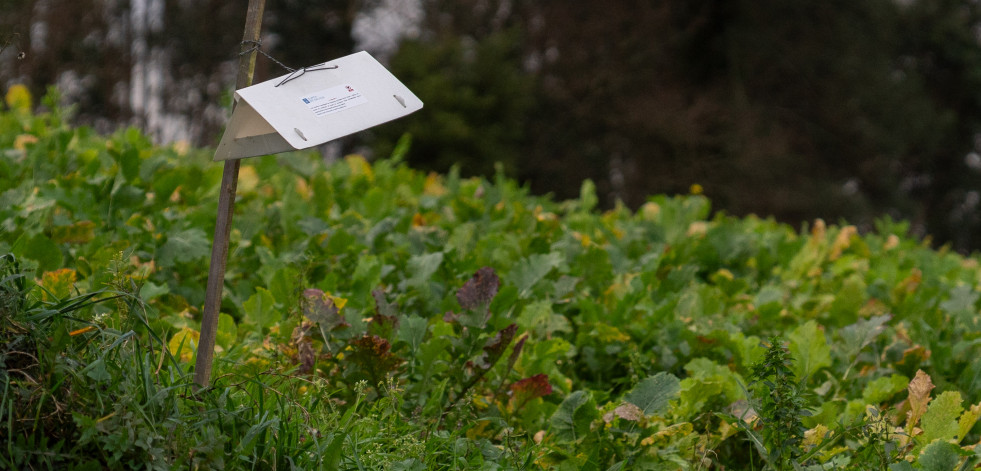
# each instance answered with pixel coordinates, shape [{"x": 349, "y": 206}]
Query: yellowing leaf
[
  {"x": 683, "y": 428},
  {"x": 59, "y": 283},
  {"x": 81, "y": 232},
  {"x": 940, "y": 420},
  {"x": 650, "y": 211},
  {"x": 21, "y": 141},
  {"x": 338, "y": 301},
  {"x": 815, "y": 436},
  {"x": 967, "y": 421},
  {"x": 607, "y": 333},
  {"x": 842, "y": 241},
  {"x": 697, "y": 228},
  {"x": 19, "y": 98},
  {"x": 919, "y": 396},
  {"x": 248, "y": 179},
  {"x": 433, "y": 186},
  {"x": 891, "y": 242},
  {"x": 184, "y": 343},
  {"x": 360, "y": 167},
  {"x": 303, "y": 188},
  {"x": 819, "y": 231},
  {"x": 181, "y": 147}
]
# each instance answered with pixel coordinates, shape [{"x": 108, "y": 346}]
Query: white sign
[{"x": 314, "y": 105}]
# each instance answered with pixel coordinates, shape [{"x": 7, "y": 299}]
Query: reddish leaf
[
  {"x": 383, "y": 307},
  {"x": 307, "y": 357},
  {"x": 385, "y": 322},
  {"x": 373, "y": 354},
  {"x": 321, "y": 309},
  {"x": 513, "y": 358},
  {"x": 479, "y": 291},
  {"x": 530, "y": 388},
  {"x": 496, "y": 346},
  {"x": 304, "y": 347}
]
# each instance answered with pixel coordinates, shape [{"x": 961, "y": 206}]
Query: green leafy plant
[
  {"x": 781, "y": 406},
  {"x": 369, "y": 306}
]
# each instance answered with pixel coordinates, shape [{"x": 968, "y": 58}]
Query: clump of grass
[{"x": 79, "y": 391}]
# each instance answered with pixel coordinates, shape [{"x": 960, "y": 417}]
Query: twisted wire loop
[
  {"x": 298, "y": 72},
  {"x": 293, "y": 73},
  {"x": 257, "y": 46}
]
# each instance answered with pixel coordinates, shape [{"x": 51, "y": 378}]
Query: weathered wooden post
[
  {"x": 226, "y": 207},
  {"x": 305, "y": 108}
]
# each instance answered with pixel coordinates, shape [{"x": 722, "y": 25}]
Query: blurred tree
[
  {"x": 165, "y": 66},
  {"x": 796, "y": 109},
  {"x": 477, "y": 103}
]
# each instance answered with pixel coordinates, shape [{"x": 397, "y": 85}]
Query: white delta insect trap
[{"x": 314, "y": 105}]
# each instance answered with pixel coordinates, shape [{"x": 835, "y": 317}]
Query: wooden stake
[{"x": 226, "y": 207}]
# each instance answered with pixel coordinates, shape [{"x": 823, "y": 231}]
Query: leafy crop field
[{"x": 379, "y": 318}]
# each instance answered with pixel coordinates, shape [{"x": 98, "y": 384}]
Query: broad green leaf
[
  {"x": 809, "y": 349},
  {"x": 881, "y": 389},
  {"x": 690, "y": 304},
  {"x": 284, "y": 283},
  {"x": 227, "y": 331},
  {"x": 462, "y": 239},
  {"x": 413, "y": 331},
  {"x": 151, "y": 290},
  {"x": 184, "y": 246},
  {"x": 939, "y": 456},
  {"x": 42, "y": 250},
  {"x": 653, "y": 394},
  {"x": 693, "y": 395},
  {"x": 422, "y": 268},
  {"x": 532, "y": 269},
  {"x": 862, "y": 333},
  {"x": 849, "y": 299},
  {"x": 260, "y": 308},
  {"x": 708, "y": 371},
  {"x": 961, "y": 304},
  {"x": 941, "y": 418},
  {"x": 97, "y": 371},
  {"x": 539, "y": 318},
  {"x": 749, "y": 348},
  {"x": 769, "y": 299},
  {"x": 571, "y": 421}
]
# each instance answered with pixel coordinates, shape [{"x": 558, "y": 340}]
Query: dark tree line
[{"x": 802, "y": 109}]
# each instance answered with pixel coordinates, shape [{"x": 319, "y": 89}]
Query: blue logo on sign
[{"x": 306, "y": 101}]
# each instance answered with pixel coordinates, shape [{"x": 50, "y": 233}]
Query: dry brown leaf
[{"x": 919, "y": 396}]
